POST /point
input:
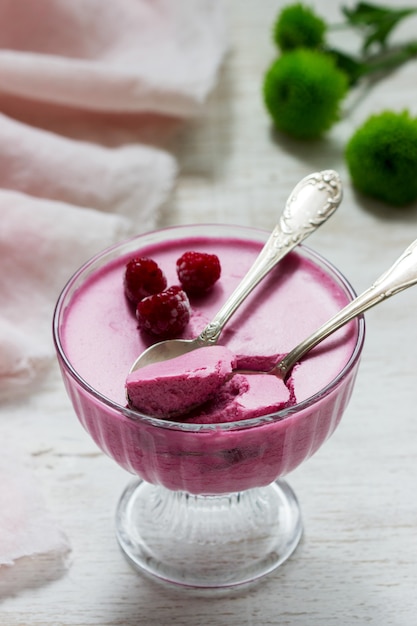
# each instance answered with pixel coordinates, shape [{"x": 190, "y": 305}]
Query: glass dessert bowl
[{"x": 209, "y": 507}]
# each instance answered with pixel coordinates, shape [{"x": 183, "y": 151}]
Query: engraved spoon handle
[
  {"x": 401, "y": 275},
  {"x": 311, "y": 203}
]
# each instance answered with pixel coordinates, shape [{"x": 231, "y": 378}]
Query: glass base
[{"x": 208, "y": 541}]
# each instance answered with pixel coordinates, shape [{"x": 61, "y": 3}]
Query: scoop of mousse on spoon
[{"x": 313, "y": 200}]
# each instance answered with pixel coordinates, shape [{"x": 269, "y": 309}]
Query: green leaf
[
  {"x": 348, "y": 64},
  {"x": 376, "y": 21}
]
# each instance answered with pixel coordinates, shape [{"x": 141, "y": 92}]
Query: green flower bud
[
  {"x": 297, "y": 26},
  {"x": 302, "y": 91},
  {"x": 382, "y": 158}
]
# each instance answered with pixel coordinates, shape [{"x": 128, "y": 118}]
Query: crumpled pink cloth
[
  {"x": 125, "y": 55},
  {"x": 41, "y": 242},
  {"x": 69, "y": 192},
  {"x": 27, "y": 527},
  {"x": 131, "y": 179},
  {"x": 89, "y": 91}
]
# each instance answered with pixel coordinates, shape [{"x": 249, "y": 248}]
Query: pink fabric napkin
[
  {"x": 27, "y": 528},
  {"x": 88, "y": 92},
  {"x": 41, "y": 242},
  {"x": 125, "y": 55},
  {"x": 89, "y": 56},
  {"x": 131, "y": 179}
]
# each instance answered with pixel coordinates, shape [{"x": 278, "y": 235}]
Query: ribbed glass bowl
[{"x": 204, "y": 489}]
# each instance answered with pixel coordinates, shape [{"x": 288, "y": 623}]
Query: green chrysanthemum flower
[
  {"x": 382, "y": 158},
  {"x": 297, "y": 26},
  {"x": 303, "y": 90}
]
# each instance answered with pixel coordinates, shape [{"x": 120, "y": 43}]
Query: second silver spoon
[{"x": 401, "y": 275}]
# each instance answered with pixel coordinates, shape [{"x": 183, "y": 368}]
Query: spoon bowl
[{"x": 314, "y": 199}]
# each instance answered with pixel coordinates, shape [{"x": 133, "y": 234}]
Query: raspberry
[
  {"x": 142, "y": 278},
  {"x": 164, "y": 314},
  {"x": 198, "y": 271}
]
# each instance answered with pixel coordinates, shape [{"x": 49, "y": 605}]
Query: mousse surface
[{"x": 102, "y": 341}]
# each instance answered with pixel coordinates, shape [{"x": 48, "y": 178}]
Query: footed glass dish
[{"x": 208, "y": 507}]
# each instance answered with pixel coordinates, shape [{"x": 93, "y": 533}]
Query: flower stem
[{"x": 386, "y": 61}]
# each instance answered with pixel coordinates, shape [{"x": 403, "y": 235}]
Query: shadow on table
[
  {"x": 309, "y": 589},
  {"x": 328, "y": 153}
]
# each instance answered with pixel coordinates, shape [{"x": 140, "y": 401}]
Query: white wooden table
[{"x": 357, "y": 562}]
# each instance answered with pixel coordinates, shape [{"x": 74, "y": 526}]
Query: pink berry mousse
[
  {"x": 200, "y": 386},
  {"x": 223, "y": 446},
  {"x": 175, "y": 386}
]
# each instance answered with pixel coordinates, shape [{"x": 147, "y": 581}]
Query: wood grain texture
[{"x": 357, "y": 563}]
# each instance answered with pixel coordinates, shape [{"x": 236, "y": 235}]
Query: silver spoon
[
  {"x": 311, "y": 203},
  {"x": 401, "y": 275}
]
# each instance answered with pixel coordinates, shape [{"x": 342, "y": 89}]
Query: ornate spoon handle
[
  {"x": 401, "y": 275},
  {"x": 311, "y": 203}
]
